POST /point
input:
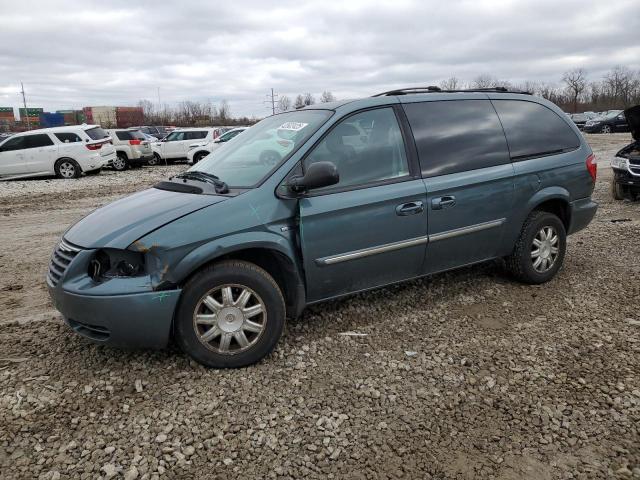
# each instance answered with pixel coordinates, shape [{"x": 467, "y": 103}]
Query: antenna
[{"x": 26, "y": 112}]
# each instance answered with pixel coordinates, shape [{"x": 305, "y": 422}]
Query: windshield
[
  {"x": 252, "y": 156},
  {"x": 613, "y": 114}
]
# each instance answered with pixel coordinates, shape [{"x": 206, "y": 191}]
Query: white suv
[
  {"x": 197, "y": 151},
  {"x": 66, "y": 152},
  {"x": 132, "y": 148},
  {"x": 176, "y": 145}
]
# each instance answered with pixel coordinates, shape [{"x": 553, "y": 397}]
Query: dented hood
[
  {"x": 633, "y": 120},
  {"x": 122, "y": 222}
]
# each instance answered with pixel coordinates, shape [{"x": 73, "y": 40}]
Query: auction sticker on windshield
[{"x": 294, "y": 126}]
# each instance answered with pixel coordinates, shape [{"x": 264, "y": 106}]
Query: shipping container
[
  {"x": 31, "y": 112},
  {"x": 87, "y": 114},
  {"x": 104, "y": 116},
  {"x": 129, "y": 117},
  {"x": 48, "y": 120}
]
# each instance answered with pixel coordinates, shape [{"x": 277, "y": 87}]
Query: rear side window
[
  {"x": 68, "y": 137},
  {"x": 137, "y": 135},
  {"x": 124, "y": 136},
  {"x": 15, "y": 143},
  {"x": 455, "y": 136},
  {"x": 96, "y": 133},
  {"x": 533, "y": 130},
  {"x": 40, "y": 140},
  {"x": 195, "y": 135}
]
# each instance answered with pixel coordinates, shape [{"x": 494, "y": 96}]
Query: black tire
[
  {"x": 155, "y": 160},
  {"x": 617, "y": 190},
  {"x": 521, "y": 262},
  {"x": 94, "y": 172},
  {"x": 121, "y": 163},
  {"x": 606, "y": 129},
  {"x": 238, "y": 274},
  {"x": 199, "y": 156},
  {"x": 67, "y": 168}
]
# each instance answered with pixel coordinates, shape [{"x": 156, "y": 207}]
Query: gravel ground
[{"x": 462, "y": 375}]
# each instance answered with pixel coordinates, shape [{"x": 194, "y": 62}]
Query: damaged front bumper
[{"x": 124, "y": 312}]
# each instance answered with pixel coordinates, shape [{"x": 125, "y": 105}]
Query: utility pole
[
  {"x": 26, "y": 112},
  {"x": 271, "y": 98}
]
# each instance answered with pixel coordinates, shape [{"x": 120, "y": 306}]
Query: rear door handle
[
  {"x": 410, "y": 208},
  {"x": 439, "y": 203}
]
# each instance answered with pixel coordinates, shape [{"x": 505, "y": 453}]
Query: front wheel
[
  {"x": 230, "y": 315},
  {"x": 539, "y": 250},
  {"x": 154, "y": 161},
  {"x": 605, "y": 129},
  {"x": 617, "y": 190}
]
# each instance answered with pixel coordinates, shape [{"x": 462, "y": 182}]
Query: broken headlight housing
[{"x": 110, "y": 263}]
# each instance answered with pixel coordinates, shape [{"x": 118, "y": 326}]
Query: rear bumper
[
  {"x": 139, "y": 320},
  {"x": 142, "y": 160},
  {"x": 582, "y": 212}
]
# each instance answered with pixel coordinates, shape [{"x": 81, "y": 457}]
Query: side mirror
[{"x": 318, "y": 175}]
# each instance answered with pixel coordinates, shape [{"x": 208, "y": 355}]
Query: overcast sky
[{"x": 72, "y": 54}]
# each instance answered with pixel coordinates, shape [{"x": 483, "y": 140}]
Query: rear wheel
[
  {"x": 121, "y": 162},
  {"x": 67, "y": 168},
  {"x": 230, "y": 315},
  {"x": 539, "y": 250},
  {"x": 199, "y": 156},
  {"x": 617, "y": 190}
]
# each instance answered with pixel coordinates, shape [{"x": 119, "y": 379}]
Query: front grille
[{"x": 60, "y": 260}]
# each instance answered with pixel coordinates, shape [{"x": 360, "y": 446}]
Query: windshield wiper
[{"x": 220, "y": 186}]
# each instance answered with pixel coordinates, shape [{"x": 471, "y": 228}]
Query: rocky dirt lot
[{"x": 463, "y": 375}]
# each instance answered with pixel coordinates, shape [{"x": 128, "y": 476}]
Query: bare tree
[
  {"x": 484, "y": 81},
  {"x": 284, "y": 104},
  {"x": 576, "y": 82},
  {"x": 224, "y": 112},
  {"x": 299, "y": 102},
  {"x": 451, "y": 83},
  {"x": 309, "y": 99},
  {"x": 327, "y": 97}
]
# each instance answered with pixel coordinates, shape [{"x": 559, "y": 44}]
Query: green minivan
[{"x": 361, "y": 194}]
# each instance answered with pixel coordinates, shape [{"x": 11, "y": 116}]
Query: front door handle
[
  {"x": 439, "y": 203},
  {"x": 410, "y": 208}
]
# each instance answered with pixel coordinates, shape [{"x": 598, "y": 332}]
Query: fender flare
[{"x": 219, "y": 247}]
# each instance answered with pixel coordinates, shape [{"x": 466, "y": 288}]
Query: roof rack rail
[{"x": 434, "y": 89}]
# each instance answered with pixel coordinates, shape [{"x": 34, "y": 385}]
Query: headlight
[
  {"x": 618, "y": 162},
  {"x": 111, "y": 263}
]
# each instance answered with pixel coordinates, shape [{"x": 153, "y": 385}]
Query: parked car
[
  {"x": 198, "y": 151},
  {"x": 218, "y": 256},
  {"x": 613, "y": 121},
  {"x": 580, "y": 119},
  {"x": 65, "y": 152},
  {"x": 176, "y": 145},
  {"x": 626, "y": 163},
  {"x": 132, "y": 148}
]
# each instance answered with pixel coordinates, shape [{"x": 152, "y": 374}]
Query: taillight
[
  {"x": 94, "y": 146},
  {"x": 592, "y": 166},
  {"x": 135, "y": 142}
]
